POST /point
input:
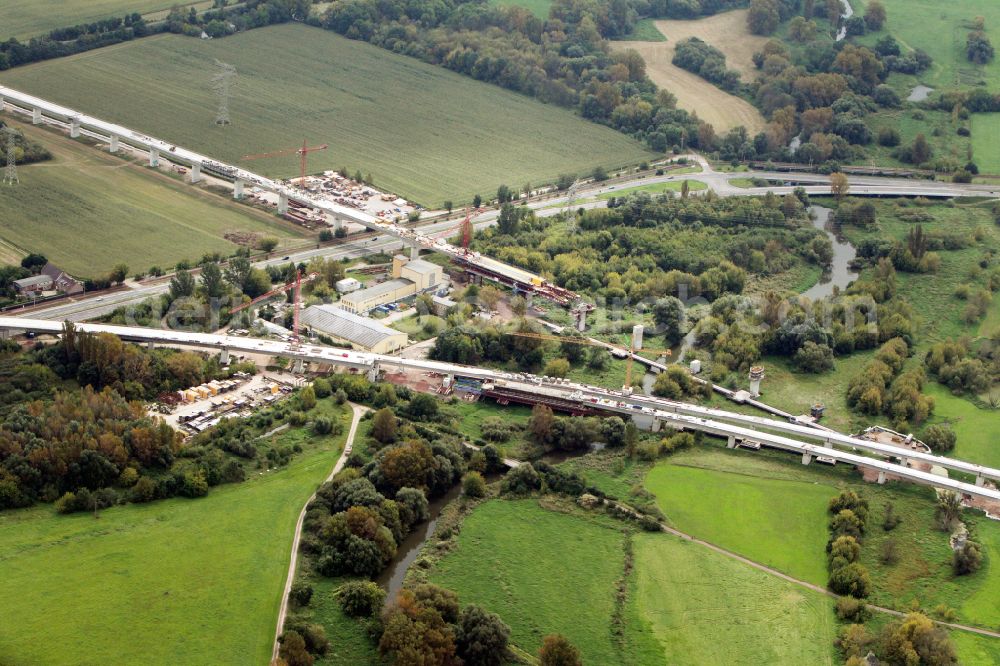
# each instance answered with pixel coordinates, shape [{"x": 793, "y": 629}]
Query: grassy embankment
[
  {"x": 386, "y": 114},
  {"x": 174, "y": 581},
  {"x": 87, "y": 211}
]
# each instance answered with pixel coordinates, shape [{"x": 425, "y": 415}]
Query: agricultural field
[
  {"x": 422, "y": 131},
  {"x": 84, "y": 590},
  {"x": 727, "y": 32},
  {"x": 30, "y": 18},
  {"x": 87, "y": 211},
  {"x": 718, "y": 616}
]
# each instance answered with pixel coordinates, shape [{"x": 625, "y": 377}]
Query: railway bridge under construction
[{"x": 886, "y": 461}]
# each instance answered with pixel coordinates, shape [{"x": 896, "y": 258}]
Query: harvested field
[{"x": 726, "y": 32}]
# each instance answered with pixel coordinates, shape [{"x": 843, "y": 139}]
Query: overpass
[
  {"x": 651, "y": 412},
  {"x": 115, "y": 135}
]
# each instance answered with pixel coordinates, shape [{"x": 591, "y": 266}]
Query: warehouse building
[
  {"x": 362, "y": 333},
  {"x": 410, "y": 277}
]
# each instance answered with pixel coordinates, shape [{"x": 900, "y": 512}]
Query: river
[
  {"x": 848, "y": 13},
  {"x": 840, "y": 274},
  {"x": 391, "y": 578}
]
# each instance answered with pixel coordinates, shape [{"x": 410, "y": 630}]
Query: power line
[
  {"x": 222, "y": 84},
  {"x": 10, "y": 173}
]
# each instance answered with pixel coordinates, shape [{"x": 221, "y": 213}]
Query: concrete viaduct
[{"x": 651, "y": 413}]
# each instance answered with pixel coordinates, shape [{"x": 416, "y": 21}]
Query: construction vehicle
[
  {"x": 296, "y": 301},
  {"x": 301, "y": 152}
]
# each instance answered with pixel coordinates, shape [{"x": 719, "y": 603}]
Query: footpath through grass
[
  {"x": 706, "y": 608},
  {"x": 777, "y": 522},
  {"x": 87, "y": 211},
  {"x": 768, "y": 507},
  {"x": 420, "y": 130},
  {"x": 172, "y": 582}
]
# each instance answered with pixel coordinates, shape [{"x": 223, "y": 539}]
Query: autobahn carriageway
[{"x": 653, "y": 413}]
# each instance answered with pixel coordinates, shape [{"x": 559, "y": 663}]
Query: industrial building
[
  {"x": 362, "y": 333},
  {"x": 410, "y": 277}
]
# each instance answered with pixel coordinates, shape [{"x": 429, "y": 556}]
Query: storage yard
[{"x": 335, "y": 188}]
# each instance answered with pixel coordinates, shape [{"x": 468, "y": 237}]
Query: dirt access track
[{"x": 727, "y": 32}]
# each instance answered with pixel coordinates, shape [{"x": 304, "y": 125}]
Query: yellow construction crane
[{"x": 594, "y": 343}]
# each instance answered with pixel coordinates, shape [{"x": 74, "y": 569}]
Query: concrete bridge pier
[
  {"x": 224, "y": 356},
  {"x": 373, "y": 372},
  {"x": 299, "y": 366},
  {"x": 529, "y": 297},
  {"x": 282, "y": 203},
  {"x": 36, "y": 116},
  {"x": 414, "y": 252},
  {"x": 154, "y": 157},
  {"x": 806, "y": 458},
  {"x": 828, "y": 444},
  {"x": 2, "y": 104},
  {"x": 150, "y": 346},
  {"x": 881, "y": 477},
  {"x": 980, "y": 481},
  {"x": 657, "y": 425},
  {"x": 338, "y": 224},
  {"x": 113, "y": 144},
  {"x": 195, "y": 173},
  {"x": 731, "y": 442},
  {"x": 74, "y": 128},
  {"x": 238, "y": 188}
]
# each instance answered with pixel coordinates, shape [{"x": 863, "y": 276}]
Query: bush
[
  {"x": 844, "y": 550},
  {"x": 889, "y": 552},
  {"x": 890, "y": 521},
  {"x": 323, "y": 426},
  {"x": 850, "y": 609},
  {"x": 941, "y": 438},
  {"x": 301, "y": 593},
  {"x": 481, "y": 637},
  {"x": 557, "y": 651},
  {"x": 967, "y": 559},
  {"x": 473, "y": 485},
  {"x": 852, "y": 580},
  {"x": 522, "y": 480},
  {"x": 889, "y": 137},
  {"x": 293, "y": 649},
  {"x": 361, "y": 598}
]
